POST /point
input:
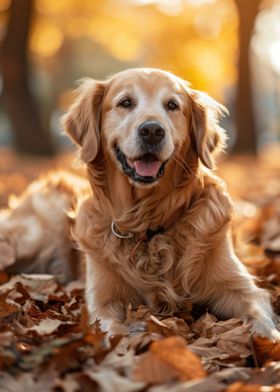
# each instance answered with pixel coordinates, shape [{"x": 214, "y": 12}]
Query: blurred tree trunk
[
  {"x": 29, "y": 136},
  {"x": 245, "y": 119}
]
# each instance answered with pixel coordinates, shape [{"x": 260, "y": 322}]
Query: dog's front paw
[
  {"x": 113, "y": 327},
  {"x": 137, "y": 328},
  {"x": 266, "y": 330},
  {"x": 275, "y": 335}
]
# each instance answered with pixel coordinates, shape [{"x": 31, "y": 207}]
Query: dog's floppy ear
[
  {"x": 208, "y": 137},
  {"x": 83, "y": 118}
]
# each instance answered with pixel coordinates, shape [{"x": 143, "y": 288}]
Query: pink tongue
[{"x": 147, "y": 169}]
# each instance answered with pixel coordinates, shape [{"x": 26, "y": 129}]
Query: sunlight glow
[
  {"x": 169, "y": 7},
  {"x": 173, "y": 7},
  {"x": 206, "y": 27},
  {"x": 46, "y": 40},
  {"x": 266, "y": 40},
  {"x": 171, "y": 2}
]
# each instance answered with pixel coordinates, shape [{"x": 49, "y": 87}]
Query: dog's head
[{"x": 142, "y": 119}]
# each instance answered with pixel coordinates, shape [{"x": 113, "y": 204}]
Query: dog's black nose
[{"x": 151, "y": 132}]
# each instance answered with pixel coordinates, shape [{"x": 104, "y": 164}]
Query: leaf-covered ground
[{"x": 47, "y": 345}]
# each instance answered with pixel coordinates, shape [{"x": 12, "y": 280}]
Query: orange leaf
[
  {"x": 265, "y": 350},
  {"x": 167, "y": 360},
  {"x": 7, "y": 307}
]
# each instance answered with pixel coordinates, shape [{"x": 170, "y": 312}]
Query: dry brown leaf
[
  {"x": 221, "y": 327},
  {"x": 120, "y": 358},
  {"x": 140, "y": 343},
  {"x": 241, "y": 387},
  {"x": 206, "y": 348},
  {"x": 204, "y": 324},
  {"x": 85, "y": 383},
  {"x": 168, "y": 327},
  {"x": 270, "y": 375},
  {"x": 168, "y": 359},
  {"x": 46, "y": 326},
  {"x": 173, "y": 351},
  {"x": 26, "y": 382},
  {"x": 109, "y": 380},
  {"x": 67, "y": 384},
  {"x": 67, "y": 357},
  {"x": 208, "y": 325},
  {"x": 6, "y": 338},
  {"x": 216, "y": 382},
  {"x": 153, "y": 370},
  {"x": 236, "y": 341},
  {"x": 142, "y": 313},
  {"x": 233, "y": 341},
  {"x": 7, "y": 306}
]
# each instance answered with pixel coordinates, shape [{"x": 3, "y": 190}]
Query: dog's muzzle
[{"x": 146, "y": 169}]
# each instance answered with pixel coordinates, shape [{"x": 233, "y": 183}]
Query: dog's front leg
[
  {"x": 230, "y": 290},
  {"x": 106, "y": 296}
]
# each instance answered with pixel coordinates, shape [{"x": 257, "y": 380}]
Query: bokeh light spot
[{"x": 46, "y": 40}]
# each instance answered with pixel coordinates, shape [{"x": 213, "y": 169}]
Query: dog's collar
[{"x": 147, "y": 237}]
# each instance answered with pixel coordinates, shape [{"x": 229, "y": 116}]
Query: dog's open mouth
[{"x": 146, "y": 169}]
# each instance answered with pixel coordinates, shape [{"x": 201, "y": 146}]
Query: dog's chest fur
[
  {"x": 156, "y": 262},
  {"x": 152, "y": 271},
  {"x": 163, "y": 271}
]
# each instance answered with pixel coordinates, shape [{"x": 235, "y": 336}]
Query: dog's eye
[
  {"x": 125, "y": 103},
  {"x": 172, "y": 105}
]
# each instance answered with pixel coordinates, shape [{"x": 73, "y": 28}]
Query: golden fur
[
  {"x": 194, "y": 257},
  {"x": 35, "y": 231}
]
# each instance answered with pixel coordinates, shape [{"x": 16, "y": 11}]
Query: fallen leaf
[
  {"x": 204, "y": 324},
  {"x": 67, "y": 384},
  {"x": 109, "y": 380},
  {"x": 168, "y": 327},
  {"x": 26, "y": 382},
  {"x": 216, "y": 382},
  {"x": 153, "y": 370},
  {"x": 270, "y": 375},
  {"x": 168, "y": 359},
  {"x": 142, "y": 313},
  {"x": 241, "y": 387},
  {"x": 46, "y": 326},
  {"x": 7, "y": 306},
  {"x": 236, "y": 341},
  {"x": 265, "y": 350}
]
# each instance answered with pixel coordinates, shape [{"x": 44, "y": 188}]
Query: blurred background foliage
[{"x": 231, "y": 49}]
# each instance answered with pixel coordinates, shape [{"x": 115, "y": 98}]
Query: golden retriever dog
[
  {"x": 155, "y": 226},
  {"x": 35, "y": 227},
  {"x": 155, "y": 230}
]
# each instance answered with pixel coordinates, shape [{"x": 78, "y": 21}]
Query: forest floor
[{"x": 47, "y": 345}]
